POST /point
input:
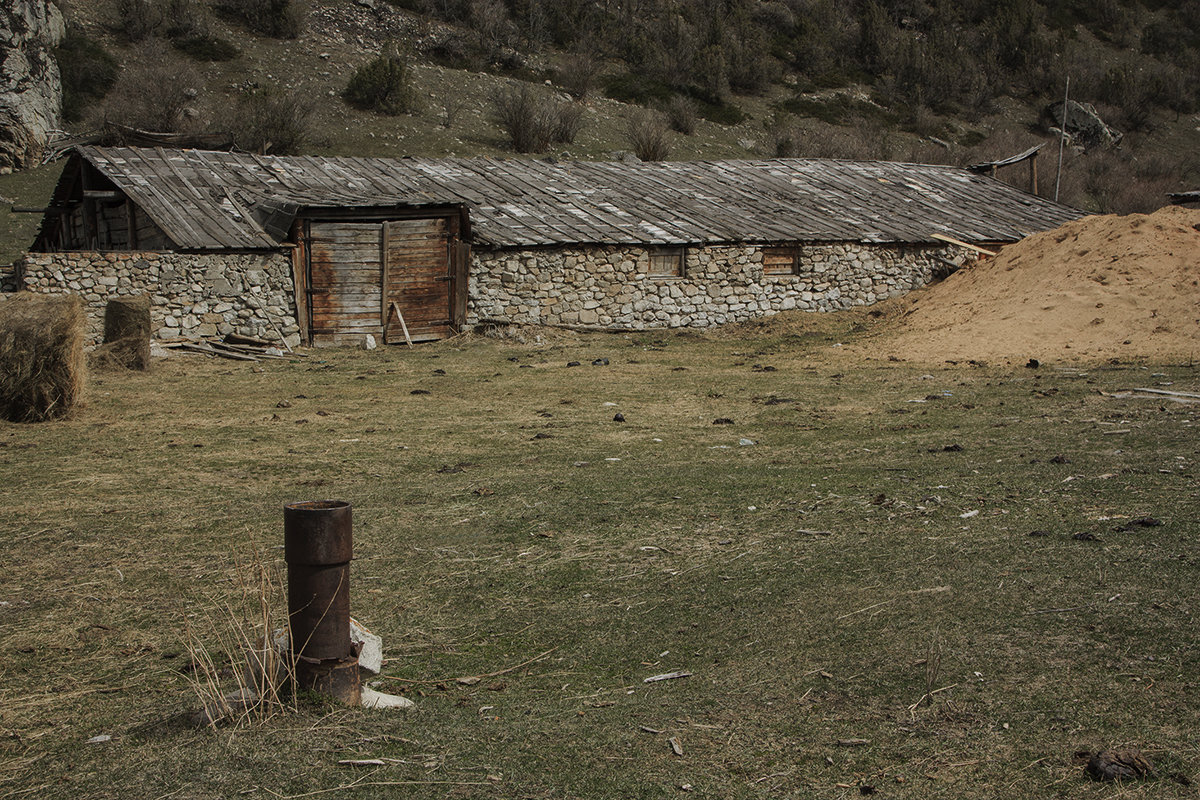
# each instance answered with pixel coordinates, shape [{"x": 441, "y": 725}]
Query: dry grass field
[{"x": 910, "y": 580}]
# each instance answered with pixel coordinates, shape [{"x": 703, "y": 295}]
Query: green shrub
[
  {"x": 88, "y": 72},
  {"x": 383, "y": 85}
]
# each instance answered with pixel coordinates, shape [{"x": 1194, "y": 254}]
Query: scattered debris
[
  {"x": 102, "y": 738},
  {"x": 1140, "y": 522},
  {"x": 618, "y": 417},
  {"x": 361, "y": 762},
  {"x": 666, "y": 676},
  {"x": 1119, "y": 764},
  {"x": 853, "y": 742},
  {"x": 1085, "y": 536},
  {"x": 722, "y": 421},
  {"x": 676, "y": 747},
  {"x": 231, "y": 346}
]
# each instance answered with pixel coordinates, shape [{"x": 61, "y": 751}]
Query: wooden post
[
  {"x": 1033, "y": 173},
  {"x": 392, "y": 307}
]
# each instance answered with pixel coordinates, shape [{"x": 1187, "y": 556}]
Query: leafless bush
[
  {"x": 243, "y": 673},
  {"x": 453, "y": 106},
  {"x": 568, "y": 119},
  {"x": 137, "y": 20},
  {"x": 682, "y": 114},
  {"x": 273, "y": 121},
  {"x": 281, "y": 19},
  {"x": 578, "y": 74},
  {"x": 156, "y": 93},
  {"x": 533, "y": 119},
  {"x": 648, "y": 134}
]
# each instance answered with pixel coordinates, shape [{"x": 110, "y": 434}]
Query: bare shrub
[
  {"x": 784, "y": 135},
  {"x": 138, "y": 20},
  {"x": 648, "y": 134},
  {"x": 243, "y": 671},
  {"x": 578, "y": 75},
  {"x": 533, "y": 119},
  {"x": 156, "y": 93},
  {"x": 568, "y": 120},
  {"x": 682, "y": 114},
  {"x": 41, "y": 356},
  {"x": 273, "y": 122},
  {"x": 452, "y": 107},
  {"x": 280, "y": 19},
  {"x": 383, "y": 85}
]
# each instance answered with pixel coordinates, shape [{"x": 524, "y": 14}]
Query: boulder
[{"x": 1084, "y": 126}]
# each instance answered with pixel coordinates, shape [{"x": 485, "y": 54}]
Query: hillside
[{"x": 912, "y": 81}]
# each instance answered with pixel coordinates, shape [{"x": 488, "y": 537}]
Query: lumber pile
[{"x": 232, "y": 346}]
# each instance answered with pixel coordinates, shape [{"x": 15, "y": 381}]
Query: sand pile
[{"x": 1098, "y": 288}]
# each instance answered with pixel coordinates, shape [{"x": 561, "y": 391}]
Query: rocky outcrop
[{"x": 30, "y": 88}]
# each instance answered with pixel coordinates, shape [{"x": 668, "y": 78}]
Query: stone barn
[{"x": 326, "y": 250}]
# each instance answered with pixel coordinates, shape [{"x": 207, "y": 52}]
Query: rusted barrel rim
[{"x": 316, "y": 505}]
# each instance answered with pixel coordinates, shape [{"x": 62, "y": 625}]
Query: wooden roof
[{"x": 214, "y": 200}]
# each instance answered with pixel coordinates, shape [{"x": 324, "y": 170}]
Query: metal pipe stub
[{"x": 318, "y": 547}]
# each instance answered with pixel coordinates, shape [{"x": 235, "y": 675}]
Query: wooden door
[
  {"x": 344, "y": 286},
  {"x": 417, "y": 280}
]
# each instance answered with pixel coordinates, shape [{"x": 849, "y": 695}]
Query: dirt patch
[{"x": 1097, "y": 288}]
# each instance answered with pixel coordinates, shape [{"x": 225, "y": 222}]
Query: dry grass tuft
[
  {"x": 242, "y": 667},
  {"x": 41, "y": 351}
]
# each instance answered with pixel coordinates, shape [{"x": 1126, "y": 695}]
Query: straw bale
[
  {"x": 41, "y": 356},
  {"x": 126, "y": 335}
]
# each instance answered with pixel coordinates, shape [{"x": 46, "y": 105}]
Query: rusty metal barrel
[{"x": 318, "y": 547}]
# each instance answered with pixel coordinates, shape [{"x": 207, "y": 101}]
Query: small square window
[
  {"x": 666, "y": 262},
  {"x": 781, "y": 261}
]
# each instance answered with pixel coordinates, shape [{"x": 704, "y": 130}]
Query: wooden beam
[
  {"x": 943, "y": 238},
  {"x": 300, "y": 279}
]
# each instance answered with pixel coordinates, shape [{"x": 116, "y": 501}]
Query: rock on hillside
[{"x": 30, "y": 89}]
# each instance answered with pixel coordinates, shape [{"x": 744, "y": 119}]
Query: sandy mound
[{"x": 1098, "y": 288}]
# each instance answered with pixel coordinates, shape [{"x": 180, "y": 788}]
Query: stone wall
[
  {"x": 191, "y": 295},
  {"x": 609, "y": 286}
]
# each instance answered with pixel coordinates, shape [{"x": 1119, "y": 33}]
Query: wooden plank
[{"x": 957, "y": 243}]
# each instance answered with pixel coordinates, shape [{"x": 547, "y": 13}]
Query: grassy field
[{"x": 858, "y": 536}]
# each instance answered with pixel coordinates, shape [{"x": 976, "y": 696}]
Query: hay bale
[
  {"x": 126, "y": 334},
  {"x": 41, "y": 356}
]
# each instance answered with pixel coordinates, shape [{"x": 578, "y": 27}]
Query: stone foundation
[
  {"x": 609, "y": 287},
  {"x": 605, "y": 287},
  {"x": 191, "y": 295}
]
